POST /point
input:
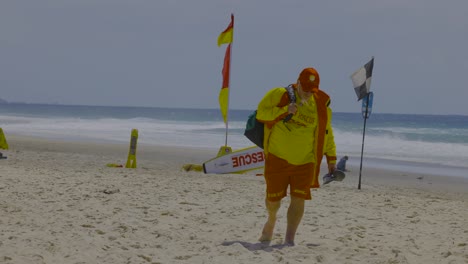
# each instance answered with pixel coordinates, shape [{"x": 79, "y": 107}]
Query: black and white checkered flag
[{"x": 362, "y": 79}]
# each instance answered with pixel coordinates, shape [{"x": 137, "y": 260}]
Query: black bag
[{"x": 254, "y": 129}]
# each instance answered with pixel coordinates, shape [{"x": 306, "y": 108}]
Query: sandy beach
[{"x": 60, "y": 203}]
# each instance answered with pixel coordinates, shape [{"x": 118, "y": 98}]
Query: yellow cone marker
[
  {"x": 131, "y": 161},
  {"x": 3, "y": 142}
]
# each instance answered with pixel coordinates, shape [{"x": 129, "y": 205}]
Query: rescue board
[{"x": 238, "y": 161}]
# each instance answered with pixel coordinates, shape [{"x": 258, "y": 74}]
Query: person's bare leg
[
  {"x": 295, "y": 213},
  {"x": 267, "y": 232}
]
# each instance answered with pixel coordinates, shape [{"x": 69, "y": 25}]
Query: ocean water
[{"x": 430, "y": 143}]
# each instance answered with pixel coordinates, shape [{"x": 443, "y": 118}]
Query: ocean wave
[{"x": 401, "y": 138}]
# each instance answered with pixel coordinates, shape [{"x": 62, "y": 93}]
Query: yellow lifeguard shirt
[{"x": 294, "y": 140}]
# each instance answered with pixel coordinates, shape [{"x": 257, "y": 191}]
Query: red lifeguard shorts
[{"x": 279, "y": 174}]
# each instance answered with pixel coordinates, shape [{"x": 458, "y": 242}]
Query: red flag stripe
[{"x": 225, "y": 72}]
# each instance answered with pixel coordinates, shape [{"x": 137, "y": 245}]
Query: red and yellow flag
[
  {"x": 224, "y": 93},
  {"x": 226, "y": 38}
]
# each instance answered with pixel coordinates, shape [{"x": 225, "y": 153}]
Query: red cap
[{"x": 309, "y": 80}]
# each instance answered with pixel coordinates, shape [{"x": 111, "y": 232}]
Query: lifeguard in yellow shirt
[{"x": 294, "y": 149}]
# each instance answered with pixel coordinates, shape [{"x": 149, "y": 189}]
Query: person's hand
[
  {"x": 292, "y": 108},
  {"x": 331, "y": 168}
]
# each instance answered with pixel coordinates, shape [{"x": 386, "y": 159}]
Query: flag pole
[{"x": 363, "y": 136}]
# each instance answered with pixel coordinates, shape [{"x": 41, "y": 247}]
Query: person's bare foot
[{"x": 267, "y": 233}]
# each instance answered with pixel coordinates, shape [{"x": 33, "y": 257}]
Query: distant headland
[{"x": 3, "y": 101}]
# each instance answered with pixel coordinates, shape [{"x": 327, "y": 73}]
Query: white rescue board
[{"x": 238, "y": 161}]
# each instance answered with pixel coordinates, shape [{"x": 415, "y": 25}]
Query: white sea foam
[{"x": 209, "y": 134}]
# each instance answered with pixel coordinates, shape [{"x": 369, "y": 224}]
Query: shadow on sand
[{"x": 265, "y": 246}]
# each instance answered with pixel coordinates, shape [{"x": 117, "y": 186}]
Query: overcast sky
[{"x": 163, "y": 53}]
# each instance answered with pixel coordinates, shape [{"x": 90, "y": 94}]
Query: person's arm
[
  {"x": 268, "y": 111},
  {"x": 330, "y": 147}
]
